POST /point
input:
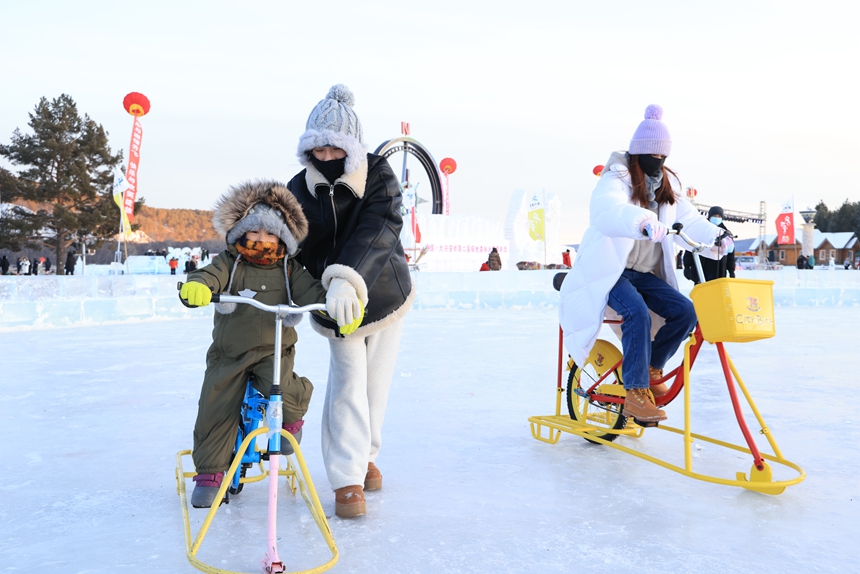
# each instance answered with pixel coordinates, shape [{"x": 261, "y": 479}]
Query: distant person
[
  {"x": 712, "y": 269},
  {"x": 173, "y": 264},
  {"x": 70, "y": 263},
  {"x": 4, "y": 265},
  {"x": 802, "y": 262},
  {"x": 25, "y": 266},
  {"x": 847, "y": 263},
  {"x": 18, "y": 262},
  {"x": 484, "y": 266},
  {"x": 565, "y": 258},
  {"x": 494, "y": 260},
  {"x": 811, "y": 262},
  {"x": 47, "y": 265}
]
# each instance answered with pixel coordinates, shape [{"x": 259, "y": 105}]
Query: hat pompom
[
  {"x": 652, "y": 112},
  {"x": 342, "y": 94}
]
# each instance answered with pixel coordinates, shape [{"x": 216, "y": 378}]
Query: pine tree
[{"x": 67, "y": 168}]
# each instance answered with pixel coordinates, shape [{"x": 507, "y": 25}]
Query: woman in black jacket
[
  {"x": 352, "y": 200},
  {"x": 713, "y": 269}
]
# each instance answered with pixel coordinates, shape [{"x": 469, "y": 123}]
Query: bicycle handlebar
[
  {"x": 677, "y": 230},
  {"x": 277, "y": 309},
  {"x": 282, "y": 309}
]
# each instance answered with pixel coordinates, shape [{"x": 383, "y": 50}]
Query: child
[{"x": 262, "y": 224}]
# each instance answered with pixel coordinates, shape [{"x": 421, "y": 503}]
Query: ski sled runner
[
  {"x": 295, "y": 479},
  {"x": 729, "y": 310}
]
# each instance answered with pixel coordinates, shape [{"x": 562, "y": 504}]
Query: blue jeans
[{"x": 631, "y": 297}]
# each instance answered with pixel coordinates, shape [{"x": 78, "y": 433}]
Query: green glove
[
  {"x": 195, "y": 294},
  {"x": 350, "y": 328}
]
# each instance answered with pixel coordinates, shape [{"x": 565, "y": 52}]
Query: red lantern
[
  {"x": 136, "y": 104},
  {"x": 691, "y": 193},
  {"x": 598, "y": 169},
  {"x": 448, "y": 166}
]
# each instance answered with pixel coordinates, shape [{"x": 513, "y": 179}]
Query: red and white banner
[
  {"x": 131, "y": 171},
  {"x": 785, "y": 225}
]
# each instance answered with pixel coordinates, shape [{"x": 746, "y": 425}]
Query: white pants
[{"x": 359, "y": 378}]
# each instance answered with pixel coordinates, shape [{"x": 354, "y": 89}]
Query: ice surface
[{"x": 94, "y": 416}]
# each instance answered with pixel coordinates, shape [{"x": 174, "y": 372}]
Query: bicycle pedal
[{"x": 646, "y": 424}]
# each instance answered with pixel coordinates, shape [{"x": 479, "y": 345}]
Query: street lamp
[{"x": 808, "y": 215}]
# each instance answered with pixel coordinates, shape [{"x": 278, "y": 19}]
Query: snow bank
[{"x": 62, "y": 301}]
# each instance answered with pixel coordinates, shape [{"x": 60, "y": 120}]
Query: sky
[
  {"x": 759, "y": 96},
  {"x": 466, "y": 488}
]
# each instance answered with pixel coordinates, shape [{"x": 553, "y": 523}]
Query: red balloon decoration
[
  {"x": 598, "y": 169},
  {"x": 136, "y": 104},
  {"x": 448, "y": 166}
]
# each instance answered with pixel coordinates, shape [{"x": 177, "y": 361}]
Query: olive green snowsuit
[{"x": 243, "y": 342}]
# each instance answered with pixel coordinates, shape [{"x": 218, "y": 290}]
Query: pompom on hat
[
  {"x": 652, "y": 136},
  {"x": 333, "y": 123}
]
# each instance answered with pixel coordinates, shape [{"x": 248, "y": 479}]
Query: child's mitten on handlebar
[
  {"x": 343, "y": 305},
  {"x": 194, "y": 294},
  {"x": 656, "y": 230}
]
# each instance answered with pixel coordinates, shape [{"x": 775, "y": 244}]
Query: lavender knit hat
[{"x": 651, "y": 136}]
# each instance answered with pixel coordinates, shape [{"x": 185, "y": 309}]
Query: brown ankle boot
[
  {"x": 660, "y": 389},
  {"x": 373, "y": 480},
  {"x": 639, "y": 405},
  {"x": 349, "y": 501}
]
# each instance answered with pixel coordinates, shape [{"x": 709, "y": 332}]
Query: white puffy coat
[{"x": 605, "y": 247}]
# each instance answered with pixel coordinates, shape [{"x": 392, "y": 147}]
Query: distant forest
[
  {"x": 845, "y": 218},
  {"x": 175, "y": 225}
]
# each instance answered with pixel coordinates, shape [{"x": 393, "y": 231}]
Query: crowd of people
[{"x": 23, "y": 266}]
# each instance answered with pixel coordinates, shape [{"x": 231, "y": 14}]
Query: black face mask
[
  {"x": 332, "y": 169},
  {"x": 651, "y": 165}
]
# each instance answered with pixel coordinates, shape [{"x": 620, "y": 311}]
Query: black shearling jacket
[{"x": 356, "y": 222}]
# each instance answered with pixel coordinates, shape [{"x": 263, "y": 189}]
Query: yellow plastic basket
[{"x": 734, "y": 310}]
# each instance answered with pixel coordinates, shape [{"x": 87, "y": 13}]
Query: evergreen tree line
[{"x": 846, "y": 218}]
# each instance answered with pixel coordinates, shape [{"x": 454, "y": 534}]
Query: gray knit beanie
[
  {"x": 261, "y": 216},
  {"x": 333, "y": 123}
]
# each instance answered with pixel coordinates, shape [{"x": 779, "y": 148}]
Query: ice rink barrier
[{"x": 64, "y": 301}]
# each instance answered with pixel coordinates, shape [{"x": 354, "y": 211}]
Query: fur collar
[{"x": 355, "y": 181}]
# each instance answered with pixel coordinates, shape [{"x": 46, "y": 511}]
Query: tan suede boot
[
  {"x": 349, "y": 501},
  {"x": 660, "y": 389},
  {"x": 639, "y": 404},
  {"x": 373, "y": 479}
]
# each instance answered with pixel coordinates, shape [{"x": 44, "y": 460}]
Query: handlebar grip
[
  {"x": 677, "y": 226},
  {"x": 216, "y": 297}
]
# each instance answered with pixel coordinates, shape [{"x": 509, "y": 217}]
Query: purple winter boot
[{"x": 205, "y": 489}]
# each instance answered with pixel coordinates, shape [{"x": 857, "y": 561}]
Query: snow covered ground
[{"x": 92, "y": 418}]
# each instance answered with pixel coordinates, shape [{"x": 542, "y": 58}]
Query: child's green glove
[
  {"x": 195, "y": 294},
  {"x": 349, "y": 329}
]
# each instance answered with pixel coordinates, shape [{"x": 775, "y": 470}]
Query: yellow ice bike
[
  {"x": 729, "y": 310},
  {"x": 256, "y": 410}
]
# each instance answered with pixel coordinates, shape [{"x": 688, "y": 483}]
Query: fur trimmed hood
[{"x": 274, "y": 209}]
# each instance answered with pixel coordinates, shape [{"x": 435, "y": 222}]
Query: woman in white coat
[{"x": 623, "y": 262}]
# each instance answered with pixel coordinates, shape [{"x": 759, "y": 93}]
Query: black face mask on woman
[
  {"x": 331, "y": 169},
  {"x": 651, "y": 165}
]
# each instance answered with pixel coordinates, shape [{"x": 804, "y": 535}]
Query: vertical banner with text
[
  {"x": 536, "y": 219},
  {"x": 785, "y": 224},
  {"x": 131, "y": 171}
]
